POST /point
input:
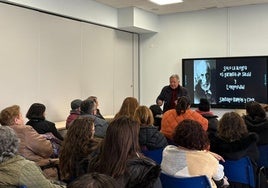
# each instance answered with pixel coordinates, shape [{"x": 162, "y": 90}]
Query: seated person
[
  {"x": 157, "y": 113},
  {"x": 204, "y": 110},
  {"x": 95, "y": 99},
  {"x": 15, "y": 170},
  {"x": 128, "y": 107},
  {"x": 74, "y": 113},
  {"x": 94, "y": 180},
  {"x": 190, "y": 157},
  {"x": 149, "y": 136},
  {"x": 32, "y": 146}
]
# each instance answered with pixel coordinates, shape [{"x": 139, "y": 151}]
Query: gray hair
[
  {"x": 174, "y": 76},
  {"x": 8, "y": 143}
]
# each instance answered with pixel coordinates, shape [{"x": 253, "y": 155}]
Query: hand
[
  {"x": 217, "y": 156},
  {"x": 159, "y": 102}
]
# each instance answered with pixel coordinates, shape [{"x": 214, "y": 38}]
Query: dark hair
[
  {"x": 190, "y": 134},
  {"x": 87, "y": 106},
  {"x": 255, "y": 110},
  {"x": 120, "y": 144},
  {"x": 204, "y": 105},
  {"x": 232, "y": 127},
  {"x": 77, "y": 144},
  {"x": 182, "y": 104},
  {"x": 36, "y": 111},
  {"x": 94, "y": 180},
  {"x": 156, "y": 110}
]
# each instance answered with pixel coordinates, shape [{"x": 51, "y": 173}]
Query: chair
[
  {"x": 184, "y": 182},
  {"x": 239, "y": 171},
  {"x": 155, "y": 155}
]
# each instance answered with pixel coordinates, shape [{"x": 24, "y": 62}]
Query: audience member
[
  {"x": 121, "y": 159},
  {"x": 74, "y": 112},
  {"x": 204, "y": 110},
  {"x": 128, "y": 107},
  {"x": 77, "y": 145},
  {"x": 33, "y": 146},
  {"x": 94, "y": 180},
  {"x": 233, "y": 141},
  {"x": 37, "y": 119},
  {"x": 190, "y": 157},
  {"x": 88, "y": 109},
  {"x": 170, "y": 93},
  {"x": 256, "y": 121},
  {"x": 95, "y": 99},
  {"x": 149, "y": 136},
  {"x": 173, "y": 117},
  {"x": 15, "y": 170},
  {"x": 157, "y": 113}
]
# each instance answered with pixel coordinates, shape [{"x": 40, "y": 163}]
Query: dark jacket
[
  {"x": 141, "y": 172},
  {"x": 212, "y": 121},
  {"x": 259, "y": 126},
  {"x": 166, "y": 95},
  {"x": 150, "y": 138},
  {"x": 43, "y": 126}
]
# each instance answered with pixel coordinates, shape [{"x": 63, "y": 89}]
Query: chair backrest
[
  {"x": 240, "y": 171},
  {"x": 263, "y": 160},
  {"x": 184, "y": 182},
  {"x": 155, "y": 155}
]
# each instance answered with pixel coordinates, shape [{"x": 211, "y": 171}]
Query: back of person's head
[
  {"x": 204, "y": 105},
  {"x": 255, "y": 110},
  {"x": 94, "y": 180},
  {"x": 75, "y": 104},
  {"x": 9, "y": 114},
  {"x": 36, "y": 111},
  {"x": 156, "y": 110},
  {"x": 120, "y": 144},
  {"x": 232, "y": 127},
  {"x": 176, "y": 76},
  {"x": 128, "y": 107},
  {"x": 76, "y": 144},
  {"x": 88, "y": 106},
  {"x": 183, "y": 104},
  {"x": 8, "y": 143},
  {"x": 94, "y": 98},
  {"x": 190, "y": 134},
  {"x": 144, "y": 115}
]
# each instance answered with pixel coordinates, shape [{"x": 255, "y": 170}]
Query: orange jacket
[{"x": 170, "y": 120}]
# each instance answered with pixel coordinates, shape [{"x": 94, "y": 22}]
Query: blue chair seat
[{"x": 155, "y": 155}]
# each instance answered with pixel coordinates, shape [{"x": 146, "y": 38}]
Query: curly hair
[
  {"x": 36, "y": 111},
  {"x": 232, "y": 127},
  {"x": 144, "y": 115},
  {"x": 8, "y": 143},
  {"x": 128, "y": 107},
  {"x": 77, "y": 145},
  {"x": 182, "y": 104},
  {"x": 8, "y": 115},
  {"x": 190, "y": 134}
]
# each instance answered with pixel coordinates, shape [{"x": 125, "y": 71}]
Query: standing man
[{"x": 170, "y": 93}]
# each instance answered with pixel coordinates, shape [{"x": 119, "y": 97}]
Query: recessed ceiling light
[{"x": 166, "y": 2}]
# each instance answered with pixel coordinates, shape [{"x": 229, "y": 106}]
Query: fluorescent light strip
[{"x": 166, "y": 2}]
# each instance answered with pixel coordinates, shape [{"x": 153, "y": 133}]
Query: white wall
[{"x": 239, "y": 31}]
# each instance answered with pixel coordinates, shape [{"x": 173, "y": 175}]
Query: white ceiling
[{"x": 186, "y": 6}]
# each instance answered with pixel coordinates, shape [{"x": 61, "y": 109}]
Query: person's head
[
  {"x": 88, "y": 107},
  {"x": 144, "y": 115},
  {"x": 183, "y": 103},
  {"x": 156, "y": 110},
  {"x": 174, "y": 81},
  {"x": 120, "y": 144},
  {"x": 255, "y": 110},
  {"x": 128, "y": 107},
  {"x": 204, "y": 74},
  {"x": 8, "y": 143},
  {"x": 190, "y": 134},
  {"x": 232, "y": 127},
  {"x": 11, "y": 116},
  {"x": 95, "y": 99},
  {"x": 36, "y": 111},
  {"x": 94, "y": 180},
  {"x": 80, "y": 134},
  {"x": 204, "y": 105},
  {"x": 75, "y": 104}
]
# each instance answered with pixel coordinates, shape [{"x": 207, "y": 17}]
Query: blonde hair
[
  {"x": 8, "y": 115},
  {"x": 144, "y": 115}
]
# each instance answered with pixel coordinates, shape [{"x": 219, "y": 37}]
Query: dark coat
[
  {"x": 212, "y": 122},
  {"x": 151, "y": 139},
  {"x": 43, "y": 126},
  {"x": 166, "y": 95},
  {"x": 259, "y": 126}
]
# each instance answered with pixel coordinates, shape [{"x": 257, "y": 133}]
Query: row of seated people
[{"x": 140, "y": 112}]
